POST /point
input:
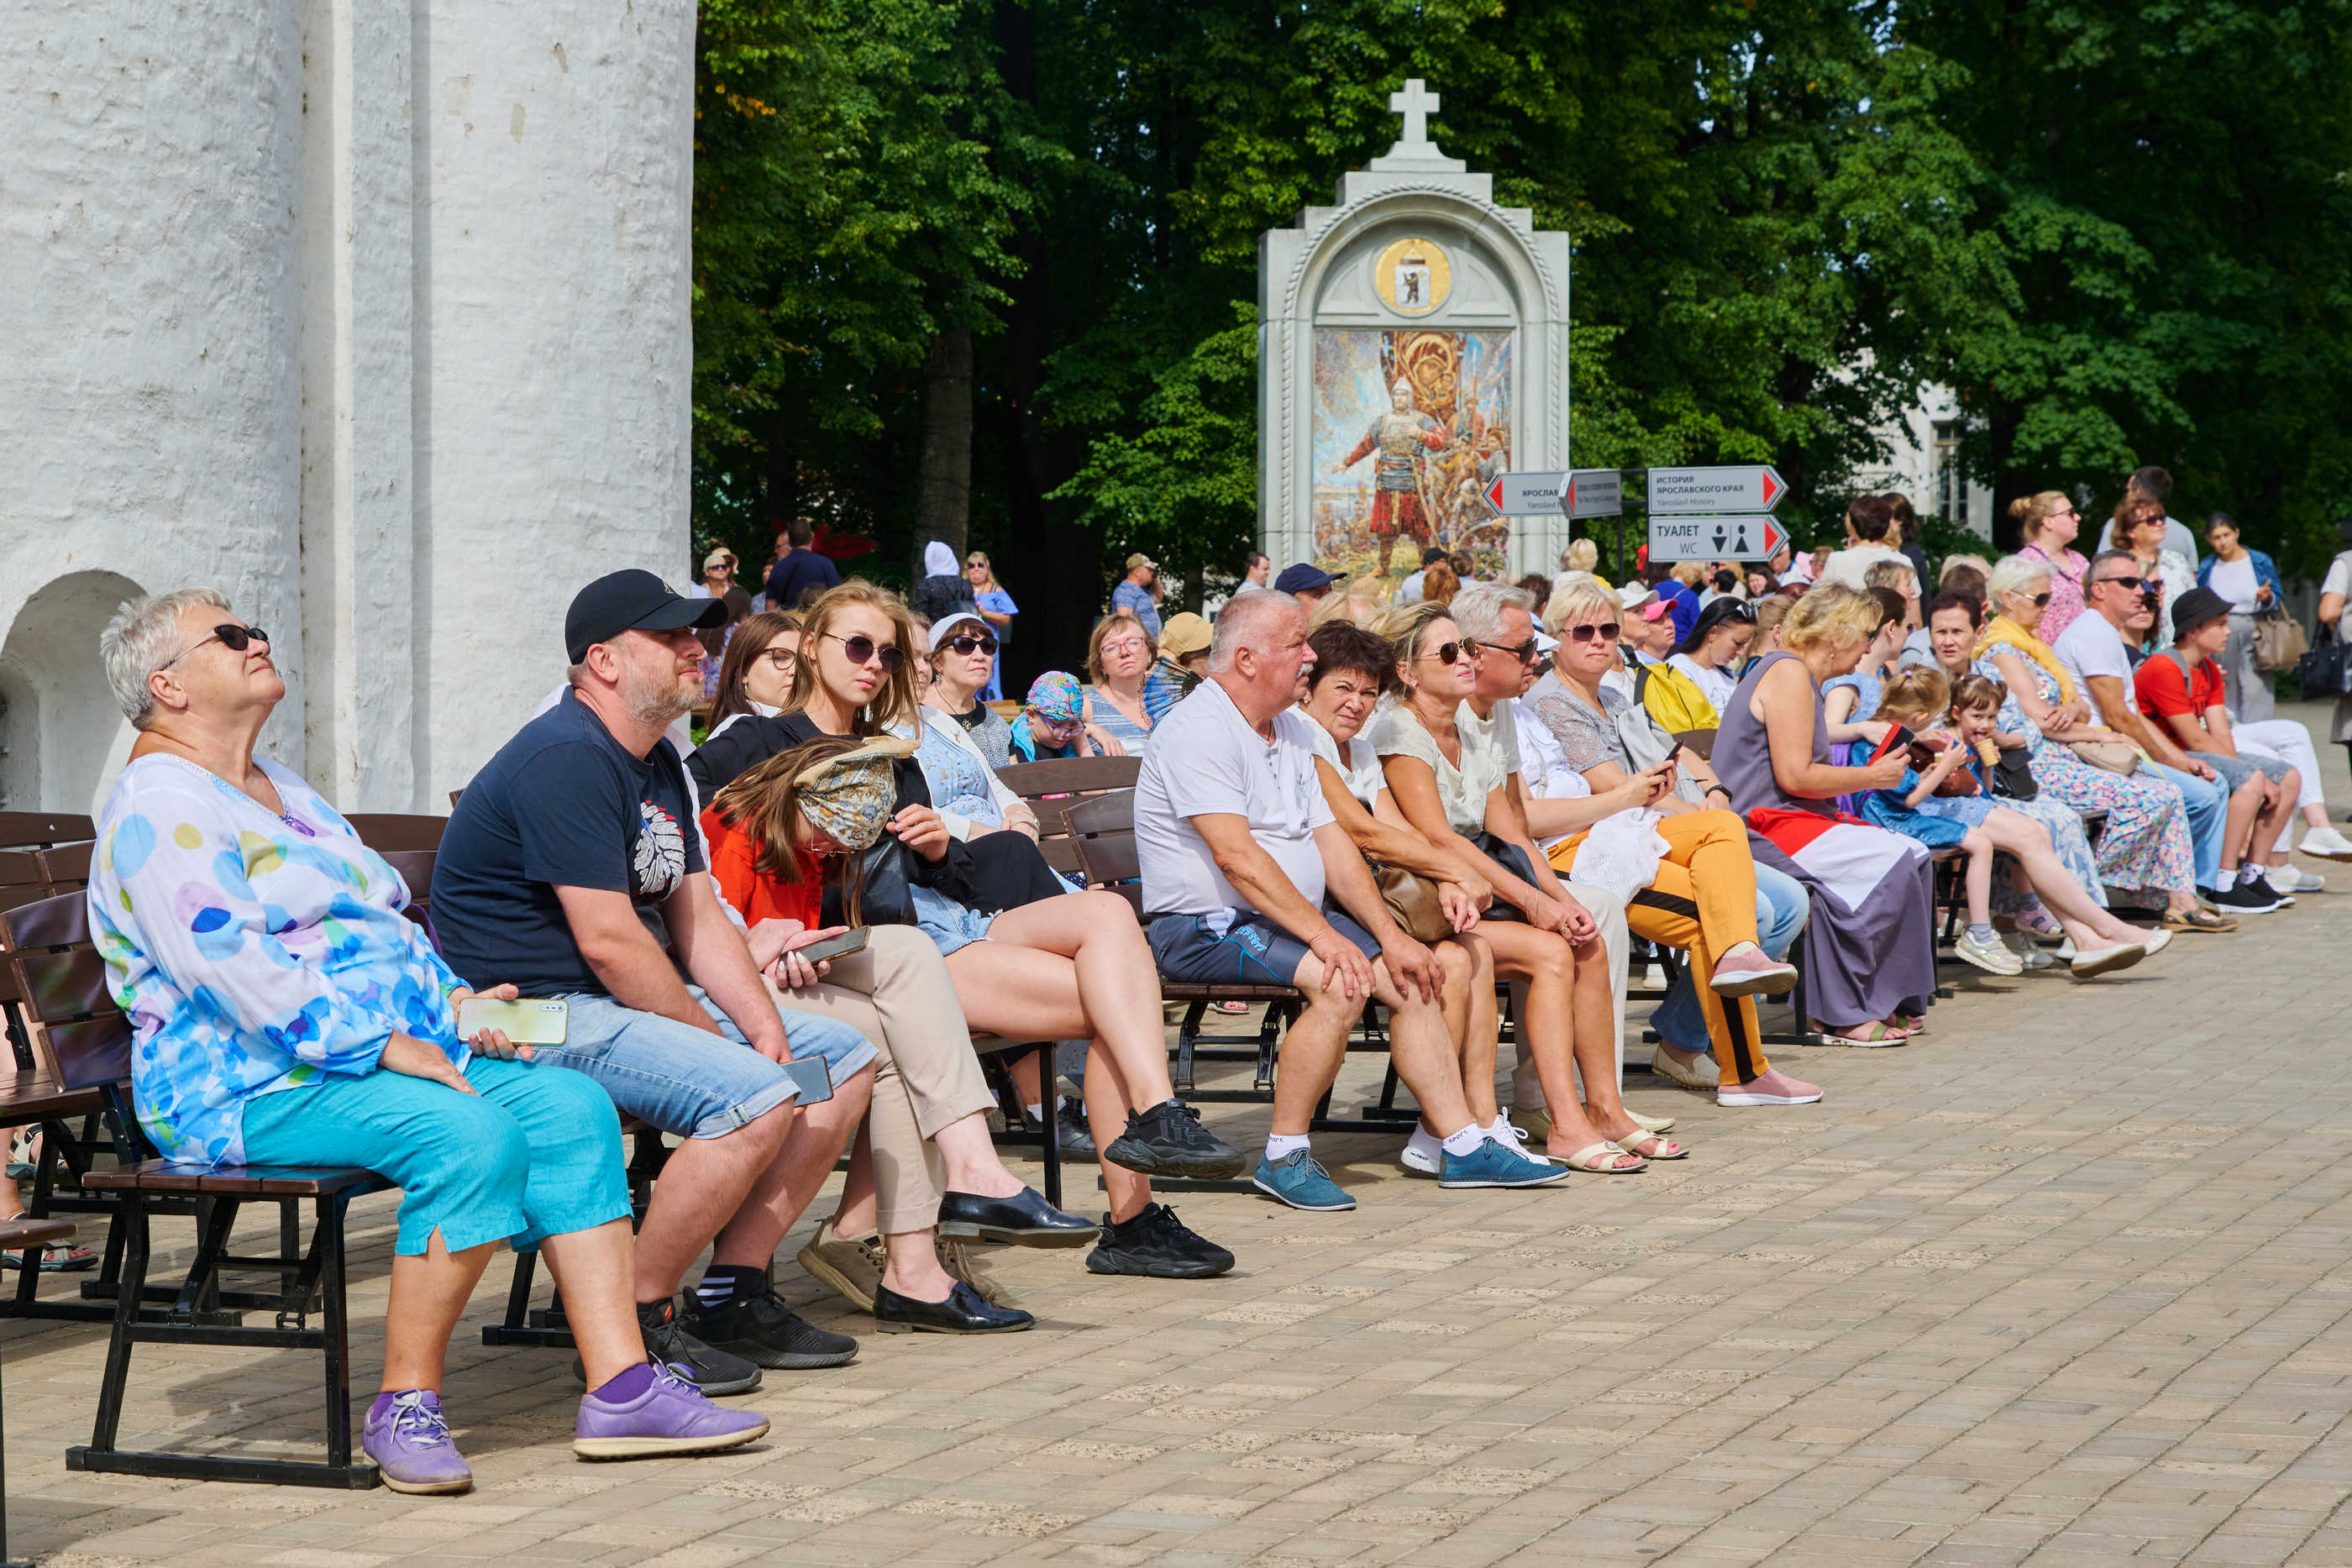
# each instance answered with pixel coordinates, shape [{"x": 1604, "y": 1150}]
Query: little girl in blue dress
[{"x": 1968, "y": 817}]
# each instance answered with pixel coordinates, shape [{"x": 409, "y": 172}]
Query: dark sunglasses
[
  {"x": 970, "y": 645},
  {"x": 1446, "y": 653},
  {"x": 862, "y": 651},
  {"x": 235, "y": 638},
  {"x": 1737, "y": 611},
  {"x": 2124, "y": 581},
  {"x": 1607, "y": 630},
  {"x": 1525, "y": 653}
]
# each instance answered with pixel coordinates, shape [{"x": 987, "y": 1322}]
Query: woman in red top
[{"x": 925, "y": 1161}]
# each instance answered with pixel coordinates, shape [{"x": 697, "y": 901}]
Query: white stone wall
[{"x": 373, "y": 315}]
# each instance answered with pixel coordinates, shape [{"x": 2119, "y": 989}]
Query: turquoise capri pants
[{"x": 535, "y": 1152}]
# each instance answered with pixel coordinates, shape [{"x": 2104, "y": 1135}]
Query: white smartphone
[{"x": 523, "y": 1021}]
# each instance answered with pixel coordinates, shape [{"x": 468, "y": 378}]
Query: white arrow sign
[
  {"x": 1748, "y": 536},
  {"x": 1741, "y": 488},
  {"x": 1593, "y": 493},
  {"x": 1525, "y": 495}
]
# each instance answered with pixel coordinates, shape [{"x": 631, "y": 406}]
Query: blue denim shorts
[
  {"x": 686, "y": 1081},
  {"x": 1246, "y": 949}
]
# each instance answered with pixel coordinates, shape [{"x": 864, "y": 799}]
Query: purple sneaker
[
  {"x": 650, "y": 1410},
  {"x": 410, "y": 1443}
]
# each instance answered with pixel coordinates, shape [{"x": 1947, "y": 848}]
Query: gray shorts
[{"x": 2234, "y": 771}]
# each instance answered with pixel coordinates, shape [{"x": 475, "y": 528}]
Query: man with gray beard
[{"x": 573, "y": 868}]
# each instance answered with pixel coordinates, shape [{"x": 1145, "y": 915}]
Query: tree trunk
[{"x": 943, "y": 469}]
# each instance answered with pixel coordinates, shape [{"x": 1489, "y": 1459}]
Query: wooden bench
[{"x": 84, "y": 1044}]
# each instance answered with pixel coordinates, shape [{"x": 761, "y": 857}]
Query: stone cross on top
[
  {"x": 1416, "y": 103},
  {"x": 1414, "y": 152}
]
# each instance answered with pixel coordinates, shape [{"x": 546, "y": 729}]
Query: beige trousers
[{"x": 896, "y": 994}]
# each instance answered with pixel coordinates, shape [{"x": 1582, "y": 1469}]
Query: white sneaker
[
  {"x": 1424, "y": 1154},
  {"x": 1989, "y": 956},
  {"x": 2325, "y": 844},
  {"x": 2287, "y": 879},
  {"x": 2030, "y": 953}
]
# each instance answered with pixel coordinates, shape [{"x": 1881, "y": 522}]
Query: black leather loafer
[
  {"x": 965, "y": 1311},
  {"x": 1024, "y": 1219}
]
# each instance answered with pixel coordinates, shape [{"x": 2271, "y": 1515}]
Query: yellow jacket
[{"x": 1674, "y": 699}]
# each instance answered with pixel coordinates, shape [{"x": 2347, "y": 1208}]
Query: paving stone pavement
[{"x": 2059, "y": 1284}]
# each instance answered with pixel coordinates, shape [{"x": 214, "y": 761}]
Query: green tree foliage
[{"x": 2115, "y": 231}]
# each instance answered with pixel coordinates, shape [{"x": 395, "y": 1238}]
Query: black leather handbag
[{"x": 2325, "y": 672}]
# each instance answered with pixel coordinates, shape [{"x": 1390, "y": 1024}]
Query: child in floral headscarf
[{"x": 1052, "y": 723}]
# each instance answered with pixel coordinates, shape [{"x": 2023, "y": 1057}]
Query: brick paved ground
[{"x": 2058, "y": 1284}]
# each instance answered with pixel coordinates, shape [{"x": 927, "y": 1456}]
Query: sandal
[
  {"x": 1874, "y": 1032},
  {"x": 2198, "y": 919},
  {"x": 1659, "y": 1148},
  {"x": 1599, "y": 1159},
  {"x": 57, "y": 1257}
]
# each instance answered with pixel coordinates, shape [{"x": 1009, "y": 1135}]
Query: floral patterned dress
[
  {"x": 254, "y": 953},
  {"x": 2145, "y": 843}
]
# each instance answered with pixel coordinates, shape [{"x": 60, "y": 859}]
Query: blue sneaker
[
  {"x": 1492, "y": 1164},
  {"x": 1297, "y": 1180}
]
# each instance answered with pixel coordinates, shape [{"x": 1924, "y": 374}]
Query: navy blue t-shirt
[
  {"x": 795, "y": 573},
  {"x": 562, "y": 804}
]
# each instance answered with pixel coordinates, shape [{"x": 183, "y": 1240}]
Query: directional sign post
[
  {"x": 1741, "y": 487},
  {"x": 1744, "y": 537},
  {"x": 1525, "y": 495},
  {"x": 1593, "y": 493}
]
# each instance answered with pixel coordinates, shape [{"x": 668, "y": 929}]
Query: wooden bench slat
[
  {"x": 33, "y": 829},
  {"x": 387, "y": 831}
]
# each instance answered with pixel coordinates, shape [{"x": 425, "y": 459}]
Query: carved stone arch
[{"x": 1539, "y": 294}]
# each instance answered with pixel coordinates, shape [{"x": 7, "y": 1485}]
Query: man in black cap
[
  {"x": 573, "y": 867},
  {"x": 1308, "y": 584}
]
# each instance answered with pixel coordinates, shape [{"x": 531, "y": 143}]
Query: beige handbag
[
  {"x": 2115, "y": 755},
  {"x": 2280, "y": 642}
]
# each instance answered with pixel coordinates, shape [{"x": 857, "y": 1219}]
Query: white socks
[
  {"x": 1280, "y": 1146},
  {"x": 1466, "y": 1141}
]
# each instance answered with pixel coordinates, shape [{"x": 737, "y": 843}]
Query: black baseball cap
[
  {"x": 1303, "y": 579},
  {"x": 631, "y": 602}
]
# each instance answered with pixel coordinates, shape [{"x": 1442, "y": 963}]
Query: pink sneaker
[
  {"x": 1745, "y": 971},
  {"x": 1774, "y": 1088}
]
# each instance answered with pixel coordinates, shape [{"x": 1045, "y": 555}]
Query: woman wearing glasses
[
  {"x": 756, "y": 676},
  {"x": 1119, "y": 657},
  {"x": 997, "y": 609},
  {"x": 2047, "y": 523},
  {"x": 1717, "y": 645},
  {"x": 963, "y": 670},
  {"x": 2145, "y": 844},
  {"x": 1701, "y": 891}
]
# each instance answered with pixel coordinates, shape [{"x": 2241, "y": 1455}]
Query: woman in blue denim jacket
[{"x": 2248, "y": 580}]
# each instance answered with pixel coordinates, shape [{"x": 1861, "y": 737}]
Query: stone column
[
  {"x": 553, "y": 350},
  {"x": 358, "y": 266}
]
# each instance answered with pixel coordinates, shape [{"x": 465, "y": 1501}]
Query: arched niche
[{"x": 62, "y": 739}]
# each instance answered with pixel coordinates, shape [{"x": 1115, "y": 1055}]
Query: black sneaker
[
  {"x": 2255, "y": 897},
  {"x": 1169, "y": 1141},
  {"x": 1077, "y": 1139},
  {"x": 712, "y": 1371},
  {"x": 761, "y": 1328},
  {"x": 1156, "y": 1243}
]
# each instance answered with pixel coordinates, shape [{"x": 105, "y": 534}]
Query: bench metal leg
[
  {"x": 190, "y": 1327},
  {"x": 1049, "y": 1136}
]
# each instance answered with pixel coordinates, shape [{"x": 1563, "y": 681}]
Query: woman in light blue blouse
[{"x": 285, "y": 1012}]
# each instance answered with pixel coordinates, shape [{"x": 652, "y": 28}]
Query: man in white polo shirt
[{"x": 1238, "y": 849}]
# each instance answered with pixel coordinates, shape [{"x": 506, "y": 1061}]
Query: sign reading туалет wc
[
  {"x": 1738, "y": 487},
  {"x": 1733, "y": 537}
]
